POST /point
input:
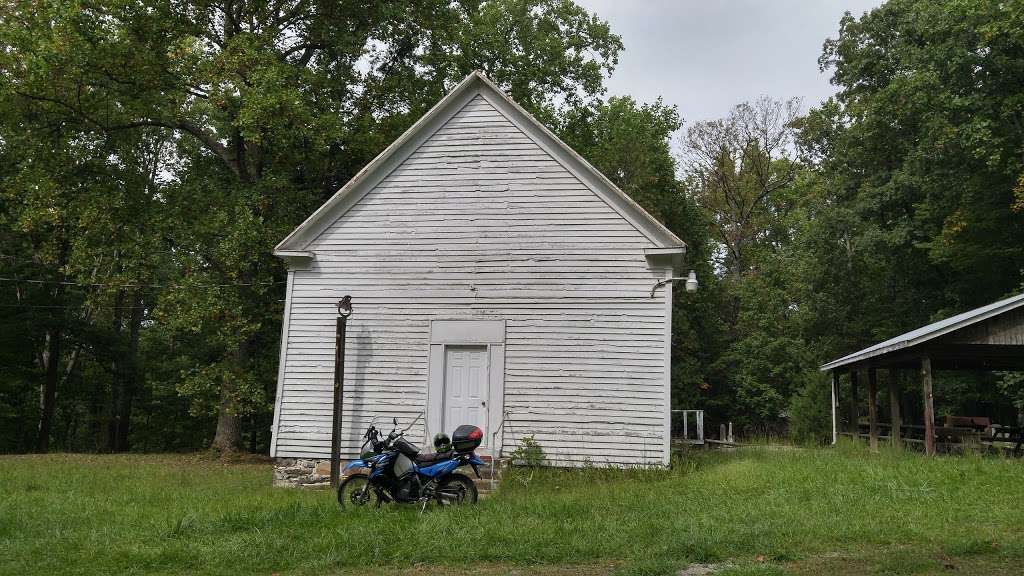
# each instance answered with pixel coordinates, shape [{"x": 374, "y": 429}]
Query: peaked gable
[{"x": 476, "y": 85}]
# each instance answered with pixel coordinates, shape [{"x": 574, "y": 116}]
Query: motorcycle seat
[{"x": 433, "y": 457}]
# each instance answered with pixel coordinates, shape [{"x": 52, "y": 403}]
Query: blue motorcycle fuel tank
[{"x": 362, "y": 463}]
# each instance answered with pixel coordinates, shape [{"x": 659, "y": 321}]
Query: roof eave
[
  {"x": 296, "y": 259},
  {"x": 968, "y": 318},
  {"x": 670, "y": 257},
  {"x": 859, "y": 357}
]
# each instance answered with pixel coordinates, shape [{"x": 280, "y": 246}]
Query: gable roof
[
  {"x": 296, "y": 243},
  {"x": 930, "y": 332}
]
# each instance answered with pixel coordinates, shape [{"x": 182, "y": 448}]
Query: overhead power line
[
  {"x": 117, "y": 285},
  {"x": 73, "y": 307}
]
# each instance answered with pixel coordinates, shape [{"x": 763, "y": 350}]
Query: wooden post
[
  {"x": 835, "y": 405},
  {"x": 872, "y": 409},
  {"x": 853, "y": 403},
  {"x": 894, "y": 408},
  {"x": 929, "y": 408}
]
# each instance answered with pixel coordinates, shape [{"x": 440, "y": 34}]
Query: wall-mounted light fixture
[{"x": 690, "y": 279}]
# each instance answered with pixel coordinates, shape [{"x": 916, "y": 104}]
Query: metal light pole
[{"x": 344, "y": 311}]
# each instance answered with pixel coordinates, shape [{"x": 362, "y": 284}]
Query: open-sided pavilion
[{"x": 987, "y": 338}]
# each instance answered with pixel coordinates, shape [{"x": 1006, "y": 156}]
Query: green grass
[{"x": 762, "y": 511}]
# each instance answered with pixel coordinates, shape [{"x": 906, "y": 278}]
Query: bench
[{"x": 979, "y": 423}]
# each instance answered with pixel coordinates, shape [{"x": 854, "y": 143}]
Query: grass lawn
[{"x": 761, "y": 511}]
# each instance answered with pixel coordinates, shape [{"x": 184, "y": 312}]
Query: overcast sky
[{"x": 708, "y": 55}]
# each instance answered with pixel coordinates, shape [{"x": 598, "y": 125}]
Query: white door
[{"x": 465, "y": 388}]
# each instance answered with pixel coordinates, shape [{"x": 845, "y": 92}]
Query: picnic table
[{"x": 956, "y": 430}]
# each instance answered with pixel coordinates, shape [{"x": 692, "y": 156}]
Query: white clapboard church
[{"x": 497, "y": 279}]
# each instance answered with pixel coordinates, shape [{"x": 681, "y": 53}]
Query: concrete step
[{"x": 484, "y": 485}]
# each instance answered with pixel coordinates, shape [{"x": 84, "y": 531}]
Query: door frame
[{"x": 489, "y": 333}]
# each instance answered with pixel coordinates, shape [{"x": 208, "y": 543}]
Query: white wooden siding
[{"x": 481, "y": 223}]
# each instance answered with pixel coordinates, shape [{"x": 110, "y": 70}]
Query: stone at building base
[
  {"x": 316, "y": 473},
  {"x": 302, "y": 473}
]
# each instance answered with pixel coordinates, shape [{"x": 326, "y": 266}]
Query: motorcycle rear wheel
[
  {"x": 355, "y": 492},
  {"x": 456, "y": 490}
]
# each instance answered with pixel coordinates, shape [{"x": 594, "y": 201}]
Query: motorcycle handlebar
[{"x": 373, "y": 435}]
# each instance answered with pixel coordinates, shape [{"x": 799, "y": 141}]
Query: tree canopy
[
  {"x": 262, "y": 110},
  {"x": 153, "y": 152}
]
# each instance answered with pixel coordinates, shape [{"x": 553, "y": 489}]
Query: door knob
[{"x": 483, "y": 402}]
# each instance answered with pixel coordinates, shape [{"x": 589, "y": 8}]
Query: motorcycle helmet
[{"x": 442, "y": 443}]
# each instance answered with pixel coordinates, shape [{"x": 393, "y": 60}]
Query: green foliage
[
  {"x": 153, "y": 153},
  {"x": 528, "y": 452},
  {"x": 173, "y": 144},
  {"x": 810, "y": 414},
  {"x": 925, "y": 144},
  {"x": 1012, "y": 385}
]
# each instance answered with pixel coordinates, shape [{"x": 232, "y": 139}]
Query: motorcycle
[{"x": 398, "y": 472}]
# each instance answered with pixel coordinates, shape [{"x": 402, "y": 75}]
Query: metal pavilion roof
[{"x": 929, "y": 332}]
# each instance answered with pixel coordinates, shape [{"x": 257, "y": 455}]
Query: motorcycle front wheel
[
  {"x": 355, "y": 492},
  {"x": 456, "y": 490}
]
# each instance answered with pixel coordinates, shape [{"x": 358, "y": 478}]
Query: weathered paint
[
  {"x": 1005, "y": 329},
  {"x": 481, "y": 222}
]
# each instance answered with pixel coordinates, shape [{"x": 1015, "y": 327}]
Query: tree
[
  {"x": 742, "y": 172},
  {"x": 920, "y": 162},
  {"x": 737, "y": 163},
  {"x": 271, "y": 106},
  {"x": 923, "y": 141},
  {"x": 75, "y": 216}
]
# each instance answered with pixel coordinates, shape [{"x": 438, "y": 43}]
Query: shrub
[
  {"x": 529, "y": 453},
  {"x": 810, "y": 411}
]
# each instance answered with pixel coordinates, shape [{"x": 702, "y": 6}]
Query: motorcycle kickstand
[{"x": 424, "y": 506}]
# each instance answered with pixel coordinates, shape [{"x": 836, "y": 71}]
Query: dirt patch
[
  {"x": 604, "y": 569},
  {"x": 703, "y": 569},
  {"x": 903, "y": 561}
]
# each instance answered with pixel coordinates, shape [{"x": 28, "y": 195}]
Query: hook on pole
[{"x": 345, "y": 306}]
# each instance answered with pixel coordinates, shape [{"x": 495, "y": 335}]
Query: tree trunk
[
  {"x": 252, "y": 434},
  {"x": 131, "y": 381},
  {"x": 229, "y": 431},
  {"x": 96, "y": 403},
  {"x": 48, "y": 391},
  {"x": 117, "y": 370},
  {"x": 126, "y": 380},
  {"x": 229, "y": 424}
]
